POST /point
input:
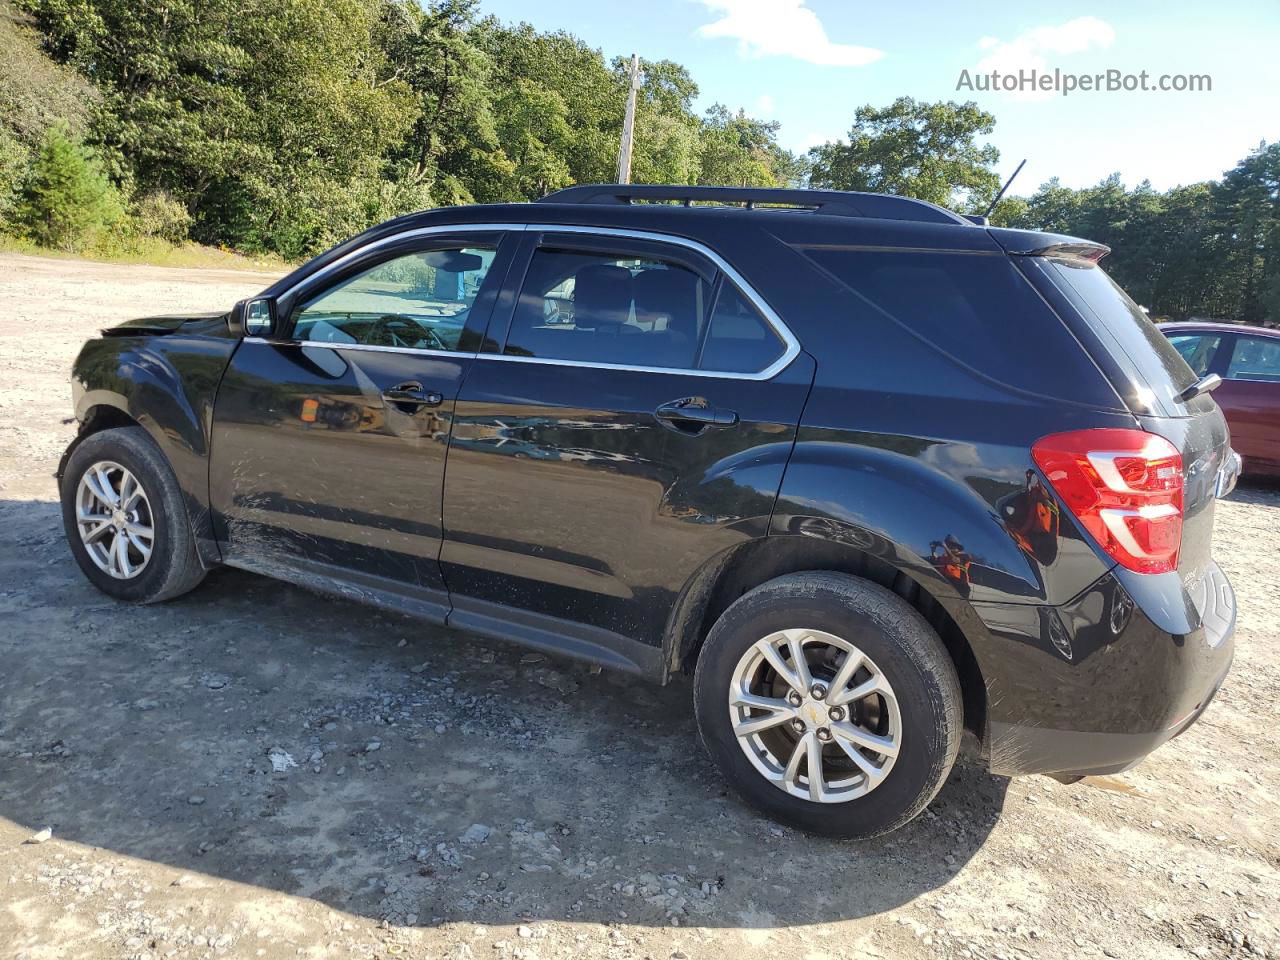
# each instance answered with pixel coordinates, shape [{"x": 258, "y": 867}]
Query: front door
[
  {"x": 329, "y": 442},
  {"x": 635, "y": 424}
]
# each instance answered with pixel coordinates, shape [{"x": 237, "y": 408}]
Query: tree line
[
  {"x": 1210, "y": 249},
  {"x": 285, "y": 126}
]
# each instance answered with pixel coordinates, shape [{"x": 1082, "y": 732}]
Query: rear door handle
[
  {"x": 695, "y": 419},
  {"x": 412, "y": 394}
]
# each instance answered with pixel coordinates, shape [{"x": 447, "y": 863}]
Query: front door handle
[
  {"x": 412, "y": 394},
  {"x": 688, "y": 418}
]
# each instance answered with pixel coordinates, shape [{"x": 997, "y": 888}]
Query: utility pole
[{"x": 629, "y": 121}]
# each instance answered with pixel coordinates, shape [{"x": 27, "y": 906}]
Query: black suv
[{"x": 872, "y": 471}]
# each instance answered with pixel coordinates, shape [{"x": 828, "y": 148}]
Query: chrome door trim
[
  {"x": 791, "y": 345},
  {"x": 768, "y": 373},
  {"x": 397, "y": 238}
]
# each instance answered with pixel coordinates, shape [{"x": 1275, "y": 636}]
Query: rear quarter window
[{"x": 976, "y": 309}]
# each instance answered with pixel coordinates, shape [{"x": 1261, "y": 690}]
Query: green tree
[
  {"x": 454, "y": 142},
  {"x": 1052, "y": 207},
  {"x": 1247, "y": 217},
  {"x": 929, "y": 151},
  {"x": 66, "y": 198},
  {"x": 738, "y": 150},
  {"x": 1206, "y": 249},
  {"x": 271, "y": 121},
  {"x": 562, "y": 64},
  {"x": 535, "y": 134},
  {"x": 666, "y": 143}
]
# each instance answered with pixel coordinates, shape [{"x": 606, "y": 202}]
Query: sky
[{"x": 809, "y": 64}]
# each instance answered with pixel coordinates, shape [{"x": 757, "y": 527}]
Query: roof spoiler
[{"x": 1033, "y": 243}]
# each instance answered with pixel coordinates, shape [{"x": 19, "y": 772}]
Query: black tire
[
  {"x": 173, "y": 567},
  {"x": 906, "y": 651}
]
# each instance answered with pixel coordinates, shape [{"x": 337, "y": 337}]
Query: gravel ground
[{"x": 251, "y": 771}]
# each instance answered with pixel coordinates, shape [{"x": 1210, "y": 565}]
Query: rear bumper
[
  {"x": 1094, "y": 686},
  {"x": 1078, "y": 753}
]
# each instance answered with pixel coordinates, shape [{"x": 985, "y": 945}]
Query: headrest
[
  {"x": 669, "y": 293},
  {"x": 601, "y": 296}
]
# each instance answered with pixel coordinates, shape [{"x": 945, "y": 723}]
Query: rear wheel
[
  {"x": 125, "y": 518},
  {"x": 829, "y": 704}
]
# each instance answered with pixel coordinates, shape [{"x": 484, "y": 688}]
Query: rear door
[
  {"x": 630, "y": 422},
  {"x": 329, "y": 442},
  {"x": 1250, "y": 396}
]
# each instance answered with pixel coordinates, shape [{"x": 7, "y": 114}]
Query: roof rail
[{"x": 839, "y": 203}]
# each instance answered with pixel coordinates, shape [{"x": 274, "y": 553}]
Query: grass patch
[{"x": 157, "y": 253}]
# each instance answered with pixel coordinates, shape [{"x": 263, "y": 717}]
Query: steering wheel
[{"x": 386, "y": 327}]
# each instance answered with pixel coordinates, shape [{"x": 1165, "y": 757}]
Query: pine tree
[{"x": 66, "y": 196}]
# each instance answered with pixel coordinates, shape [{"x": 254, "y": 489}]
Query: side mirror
[
  {"x": 259, "y": 317},
  {"x": 253, "y": 318}
]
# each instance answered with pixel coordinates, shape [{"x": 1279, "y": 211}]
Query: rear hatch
[{"x": 1148, "y": 374}]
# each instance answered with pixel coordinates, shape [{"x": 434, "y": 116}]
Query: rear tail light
[{"x": 1125, "y": 488}]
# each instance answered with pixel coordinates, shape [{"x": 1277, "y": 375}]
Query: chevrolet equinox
[{"x": 873, "y": 472}]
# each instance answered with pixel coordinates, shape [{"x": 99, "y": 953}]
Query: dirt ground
[{"x": 252, "y": 771}]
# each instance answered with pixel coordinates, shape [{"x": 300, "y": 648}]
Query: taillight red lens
[{"x": 1125, "y": 488}]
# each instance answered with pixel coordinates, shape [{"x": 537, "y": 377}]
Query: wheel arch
[
  {"x": 733, "y": 573},
  {"x": 108, "y": 411},
  {"x": 165, "y": 385},
  {"x": 101, "y": 416}
]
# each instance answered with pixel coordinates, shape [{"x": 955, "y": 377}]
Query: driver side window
[{"x": 417, "y": 300}]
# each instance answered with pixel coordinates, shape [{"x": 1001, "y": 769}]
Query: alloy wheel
[
  {"x": 114, "y": 518},
  {"x": 815, "y": 716}
]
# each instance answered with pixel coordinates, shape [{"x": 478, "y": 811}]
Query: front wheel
[
  {"x": 829, "y": 704},
  {"x": 125, "y": 519}
]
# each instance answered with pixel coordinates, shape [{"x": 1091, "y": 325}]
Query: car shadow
[
  {"x": 259, "y": 733},
  {"x": 1263, "y": 491}
]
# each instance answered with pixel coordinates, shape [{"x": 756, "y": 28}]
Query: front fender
[{"x": 166, "y": 385}]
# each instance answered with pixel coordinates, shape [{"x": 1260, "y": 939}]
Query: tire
[
  {"x": 172, "y": 568},
  {"x": 920, "y": 719}
]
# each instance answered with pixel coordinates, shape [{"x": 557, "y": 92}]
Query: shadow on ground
[
  {"x": 169, "y": 733},
  {"x": 1264, "y": 491}
]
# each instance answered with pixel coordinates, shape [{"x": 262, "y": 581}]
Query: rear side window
[
  {"x": 1255, "y": 358},
  {"x": 602, "y": 308},
  {"x": 1157, "y": 360},
  {"x": 977, "y": 309},
  {"x": 637, "y": 311}
]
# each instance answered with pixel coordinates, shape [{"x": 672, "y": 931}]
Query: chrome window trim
[
  {"x": 364, "y": 347},
  {"x": 791, "y": 346},
  {"x": 768, "y": 373},
  {"x": 397, "y": 238}
]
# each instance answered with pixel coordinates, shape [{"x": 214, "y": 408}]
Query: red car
[{"x": 1248, "y": 360}]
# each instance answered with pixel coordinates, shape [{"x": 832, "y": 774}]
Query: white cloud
[
  {"x": 1030, "y": 50},
  {"x": 782, "y": 28},
  {"x": 765, "y": 104}
]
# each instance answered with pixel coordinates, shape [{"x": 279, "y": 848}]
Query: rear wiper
[{"x": 1210, "y": 381}]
